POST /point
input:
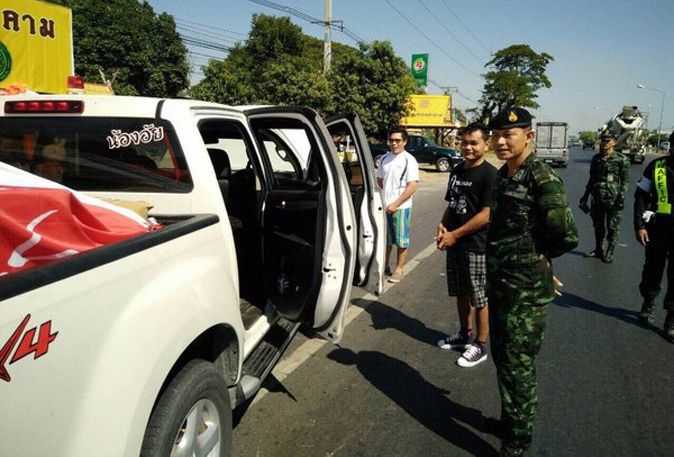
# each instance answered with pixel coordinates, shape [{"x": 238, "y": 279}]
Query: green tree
[
  {"x": 515, "y": 75},
  {"x": 374, "y": 83},
  {"x": 128, "y": 41},
  {"x": 653, "y": 138},
  {"x": 278, "y": 64},
  {"x": 588, "y": 136}
]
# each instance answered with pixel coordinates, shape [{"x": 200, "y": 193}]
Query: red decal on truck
[{"x": 27, "y": 345}]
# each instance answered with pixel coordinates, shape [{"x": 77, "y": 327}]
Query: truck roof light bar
[{"x": 45, "y": 106}]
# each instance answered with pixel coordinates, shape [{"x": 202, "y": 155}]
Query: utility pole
[{"x": 327, "y": 42}]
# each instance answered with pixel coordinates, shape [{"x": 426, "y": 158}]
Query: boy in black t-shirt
[{"x": 463, "y": 233}]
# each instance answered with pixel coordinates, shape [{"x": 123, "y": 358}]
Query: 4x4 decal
[{"x": 25, "y": 344}]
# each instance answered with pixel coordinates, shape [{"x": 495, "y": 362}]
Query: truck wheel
[
  {"x": 193, "y": 416},
  {"x": 442, "y": 164}
]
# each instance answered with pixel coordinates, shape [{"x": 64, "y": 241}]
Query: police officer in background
[
  {"x": 654, "y": 226},
  {"x": 531, "y": 223},
  {"x": 609, "y": 179}
]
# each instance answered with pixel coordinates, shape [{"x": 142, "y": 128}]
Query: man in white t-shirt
[{"x": 397, "y": 176}]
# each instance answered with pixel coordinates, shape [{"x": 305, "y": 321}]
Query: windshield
[{"x": 97, "y": 154}]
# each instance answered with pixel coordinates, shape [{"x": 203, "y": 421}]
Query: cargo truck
[{"x": 551, "y": 143}]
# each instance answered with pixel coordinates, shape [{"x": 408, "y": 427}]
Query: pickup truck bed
[{"x": 174, "y": 227}]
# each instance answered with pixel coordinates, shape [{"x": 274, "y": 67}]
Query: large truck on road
[
  {"x": 143, "y": 347},
  {"x": 551, "y": 143},
  {"x": 628, "y": 128}
]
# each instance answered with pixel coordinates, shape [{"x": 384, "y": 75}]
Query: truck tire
[
  {"x": 194, "y": 412},
  {"x": 442, "y": 164}
]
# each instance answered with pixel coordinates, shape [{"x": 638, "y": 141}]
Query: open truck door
[
  {"x": 354, "y": 153},
  {"x": 308, "y": 222}
]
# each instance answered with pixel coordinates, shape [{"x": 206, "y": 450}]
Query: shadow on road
[
  {"x": 420, "y": 399},
  {"x": 578, "y": 253},
  {"x": 573, "y": 301},
  {"x": 384, "y": 316}
]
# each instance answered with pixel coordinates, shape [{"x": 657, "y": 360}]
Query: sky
[{"x": 602, "y": 49}]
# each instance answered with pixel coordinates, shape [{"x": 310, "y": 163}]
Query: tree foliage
[
  {"x": 127, "y": 40},
  {"x": 515, "y": 75},
  {"x": 278, "y": 64},
  {"x": 588, "y": 136}
]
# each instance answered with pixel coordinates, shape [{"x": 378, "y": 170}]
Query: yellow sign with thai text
[
  {"x": 36, "y": 45},
  {"x": 429, "y": 111}
]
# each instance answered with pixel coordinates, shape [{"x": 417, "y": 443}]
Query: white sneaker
[
  {"x": 458, "y": 341},
  {"x": 473, "y": 355}
]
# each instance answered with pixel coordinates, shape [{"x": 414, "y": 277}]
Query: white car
[{"x": 145, "y": 346}]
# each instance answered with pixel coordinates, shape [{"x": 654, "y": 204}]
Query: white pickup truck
[{"x": 145, "y": 346}]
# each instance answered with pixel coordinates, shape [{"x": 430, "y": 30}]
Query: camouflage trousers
[
  {"x": 516, "y": 337},
  {"x": 606, "y": 221}
]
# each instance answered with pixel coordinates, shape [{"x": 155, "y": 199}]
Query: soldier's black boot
[
  {"x": 608, "y": 255},
  {"x": 647, "y": 313},
  {"x": 669, "y": 326},
  {"x": 596, "y": 252}
]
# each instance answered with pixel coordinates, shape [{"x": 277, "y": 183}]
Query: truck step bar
[{"x": 261, "y": 361}]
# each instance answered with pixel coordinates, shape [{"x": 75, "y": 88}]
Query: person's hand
[
  {"x": 582, "y": 204},
  {"x": 391, "y": 209},
  {"x": 447, "y": 240},
  {"x": 439, "y": 230},
  {"x": 557, "y": 284},
  {"x": 642, "y": 237}
]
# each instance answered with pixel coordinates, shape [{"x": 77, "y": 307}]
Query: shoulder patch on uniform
[{"x": 543, "y": 173}]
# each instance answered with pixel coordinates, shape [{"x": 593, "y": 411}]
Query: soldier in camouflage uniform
[
  {"x": 530, "y": 224},
  {"x": 609, "y": 179}
]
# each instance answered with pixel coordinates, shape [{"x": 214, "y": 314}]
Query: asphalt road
[{"x": 606, "y": 383}]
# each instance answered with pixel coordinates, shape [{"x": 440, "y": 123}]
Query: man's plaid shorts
[{"x": 467, "y": 275}]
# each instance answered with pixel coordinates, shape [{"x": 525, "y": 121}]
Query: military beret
[
  {"x": 511, "y": 118},
  {"x": 607, "y": 135},
  {"x": 671, "y": 138}
]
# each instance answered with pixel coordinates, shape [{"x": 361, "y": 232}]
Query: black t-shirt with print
[{"x": 469, "y": 190}]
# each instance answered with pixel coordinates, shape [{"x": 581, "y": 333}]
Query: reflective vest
[{"x": 664, "y": 206}]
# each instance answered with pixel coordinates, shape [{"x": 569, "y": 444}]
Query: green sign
[
  {"x": 5, "y": 62},
  {"x": 420, "y": 69}
]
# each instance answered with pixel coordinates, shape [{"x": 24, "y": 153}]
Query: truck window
[
  {"x": 290, "y": 151},
  {"x": 348, "y": 154},
  {"x": 229, "y": 149},
  {"x": 97, "y": 154}
]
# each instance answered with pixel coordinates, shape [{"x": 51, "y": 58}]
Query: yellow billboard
[
  {"x": 36, "y": 45},
  {"x": 429, "y": 111}
]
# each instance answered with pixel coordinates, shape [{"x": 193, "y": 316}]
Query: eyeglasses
[{"x": 395, "y": 140}]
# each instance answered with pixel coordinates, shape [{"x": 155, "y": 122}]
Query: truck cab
[{"x": 152, "y": 342}]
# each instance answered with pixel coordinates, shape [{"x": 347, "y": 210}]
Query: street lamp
[{"x": 662, "y": 107}]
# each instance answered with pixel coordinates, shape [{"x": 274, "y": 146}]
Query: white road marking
[{"x": 291, "y": 362}]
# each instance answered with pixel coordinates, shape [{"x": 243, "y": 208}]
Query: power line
[
  {"x": 457, "y": 91},
  {"x": 206, "y": 26},
  {"x": 409, "y": 21},
  {"x": 204, "y": 44},
  {"x": 205, "y": 56},
  {"x": 465, "y": 97},
  {"x": 289, "y": 10},
  {"x": 208, "y": 35},
  {"x": 479, "y": 41},
  {"x": 335, "y": 25},
  {"x": 470, "y": 51}
]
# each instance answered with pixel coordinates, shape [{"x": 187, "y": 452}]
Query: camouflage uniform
[
  {"x": 609, "y": 179},
  {"x": 530, "y": 224}
]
